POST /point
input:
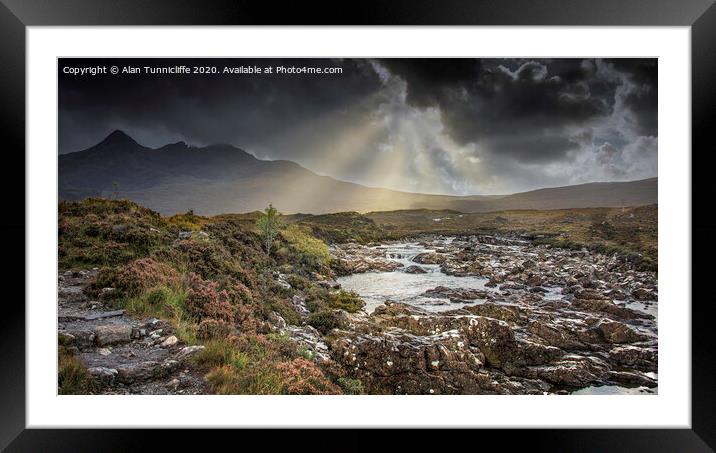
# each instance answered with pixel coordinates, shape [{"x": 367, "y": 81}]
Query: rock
[
  {"x": 170, "y": 341},
  {"x": 531, "y": 353},
  {"x": 415, "y": 270},
  {"x": 104, "y": 351},
  {"x": 65, "y": 338},
  {"x": 308, "y": 338},
  {"x": 189, "y": 351},
  {"x": 573, "y": 370},
  {"x": 429, "y": 258},
  {"x": 630, "y": 378},
  {"x": 106, "y": 293},
  {"x": 112, "y": 334},
  {"x": 83, "y": 339},
  {"x": 505, "y": 312},
  {"x": 104, "y": 376},
  {"x": 398, "y": 362},
  {"x": 494, "y": 338},
  {"x": 616, "y": 332},
  {"x": 643, "y": 294},
  {"x": 139, "y": 332},
  {"x": 554, "y": 336},
  {"x": 299, "y": 304},
  {"x": 456, "y": 294},
  {"x": 277, "y": 321},
  {"x": 639, "y": 358},
  {"x": 608, "y": 307},
  {"x": 137, "y": 372}
]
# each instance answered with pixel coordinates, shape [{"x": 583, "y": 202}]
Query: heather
[{"x": 213, "y": 281}]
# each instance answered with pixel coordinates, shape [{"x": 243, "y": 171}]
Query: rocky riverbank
[{"x": 528, "y": 319}]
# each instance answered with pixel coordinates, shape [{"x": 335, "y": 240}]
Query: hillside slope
[{"x": 222, "y": 178}]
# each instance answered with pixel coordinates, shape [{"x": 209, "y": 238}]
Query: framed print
[{"x": 464, "y": 216}]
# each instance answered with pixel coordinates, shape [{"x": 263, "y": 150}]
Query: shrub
[
  {"x": 248, "y": 379},
  {"x": 324, "y": 321},
  {"x": 137, "y": 277},
  {"x": 205, "y": 300},
  {"x": 160, "y": 302},
  {"x": 303, "y": 377},
  {"x": 72, "y": 377},
  {"x": 310, "y": 250},
  {"x": 207, "y": 259},
  {"x": 346, "y": 300},
  {"x": 214, "y": 328},
  {"x": 186, "y": 331},
  {"x": 351, "y": 386},
  {"x": 217, "y": 353},
  {"x": 100, "y": 232}
]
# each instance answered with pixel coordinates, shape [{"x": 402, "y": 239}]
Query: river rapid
[{"x": 588, "y": 305}]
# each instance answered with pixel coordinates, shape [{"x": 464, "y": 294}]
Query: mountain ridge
[{"x": 223, "y": 178}]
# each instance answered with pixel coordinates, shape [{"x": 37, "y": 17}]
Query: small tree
[{"x": 269, "y": 225}]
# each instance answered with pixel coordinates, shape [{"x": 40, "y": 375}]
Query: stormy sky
[{"x": 448, "y": 126}]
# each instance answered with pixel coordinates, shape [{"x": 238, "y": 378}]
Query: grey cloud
[{"x": 429, "y": 125}]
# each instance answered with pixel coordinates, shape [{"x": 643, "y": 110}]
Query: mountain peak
[{"x": 118, "y": 137}]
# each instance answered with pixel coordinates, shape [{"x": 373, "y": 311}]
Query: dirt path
[{"x": 126, "y": 355}]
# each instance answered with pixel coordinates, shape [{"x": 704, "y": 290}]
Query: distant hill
[{"x": 222, "y": 179}]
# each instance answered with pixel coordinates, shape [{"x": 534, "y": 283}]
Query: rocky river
[{"x": 496, "y": 315}]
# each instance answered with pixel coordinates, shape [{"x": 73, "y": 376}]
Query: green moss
[
  {"x": 346, "y": 300},
  {"x": 311, "y": 250}
]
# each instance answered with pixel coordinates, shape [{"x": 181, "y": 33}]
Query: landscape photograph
[{"x": 357, "y": 226}]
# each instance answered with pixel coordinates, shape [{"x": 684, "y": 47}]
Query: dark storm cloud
[
  {"x": 200, "y": 108},
  {"x": 441, "y": 125},
  {"x": 525, "y": 106}
]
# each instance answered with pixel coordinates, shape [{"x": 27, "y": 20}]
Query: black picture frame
[{"x": 16, "y": 15}]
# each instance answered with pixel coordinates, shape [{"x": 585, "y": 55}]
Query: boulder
[
  {"x": 617, "y": 332},
  {"x": 102, "y": 375},
  {"x": 170, "y": 341},
  {"x": 415, "y": 270},
  {"x": 636, "y": 357},
  {"x": 396, "y": 362},
  {"x": 572, "y": 370},
  {"x": 494, "y": 338},
  {"x": 112, "y": 334},
  {"x": 429, "y": 258},
  {"x": 189, "y": 351}
]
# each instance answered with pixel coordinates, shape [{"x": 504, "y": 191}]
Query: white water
[{"x": 375, "y": 288}]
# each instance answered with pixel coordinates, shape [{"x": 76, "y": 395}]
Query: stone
[
  {"x": 104, "y": 351},
  {"x": 112, "y": 334},
  {"x": 572, "y": 370},
  {"x": 170, "y": 341},
  {"x": 429, "y": 258},
  {"x": 616, "y": 332},
  {"x": 632, "y": 356},
  {"x": 65, "y": 338},
  {"x": 104, "y": 376},
  {"x": 415, "y": 270},
  {"x": 188, "y": 351},
  {"x": 137, "y": 372},
  {"x": 495, "y": 339}
]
